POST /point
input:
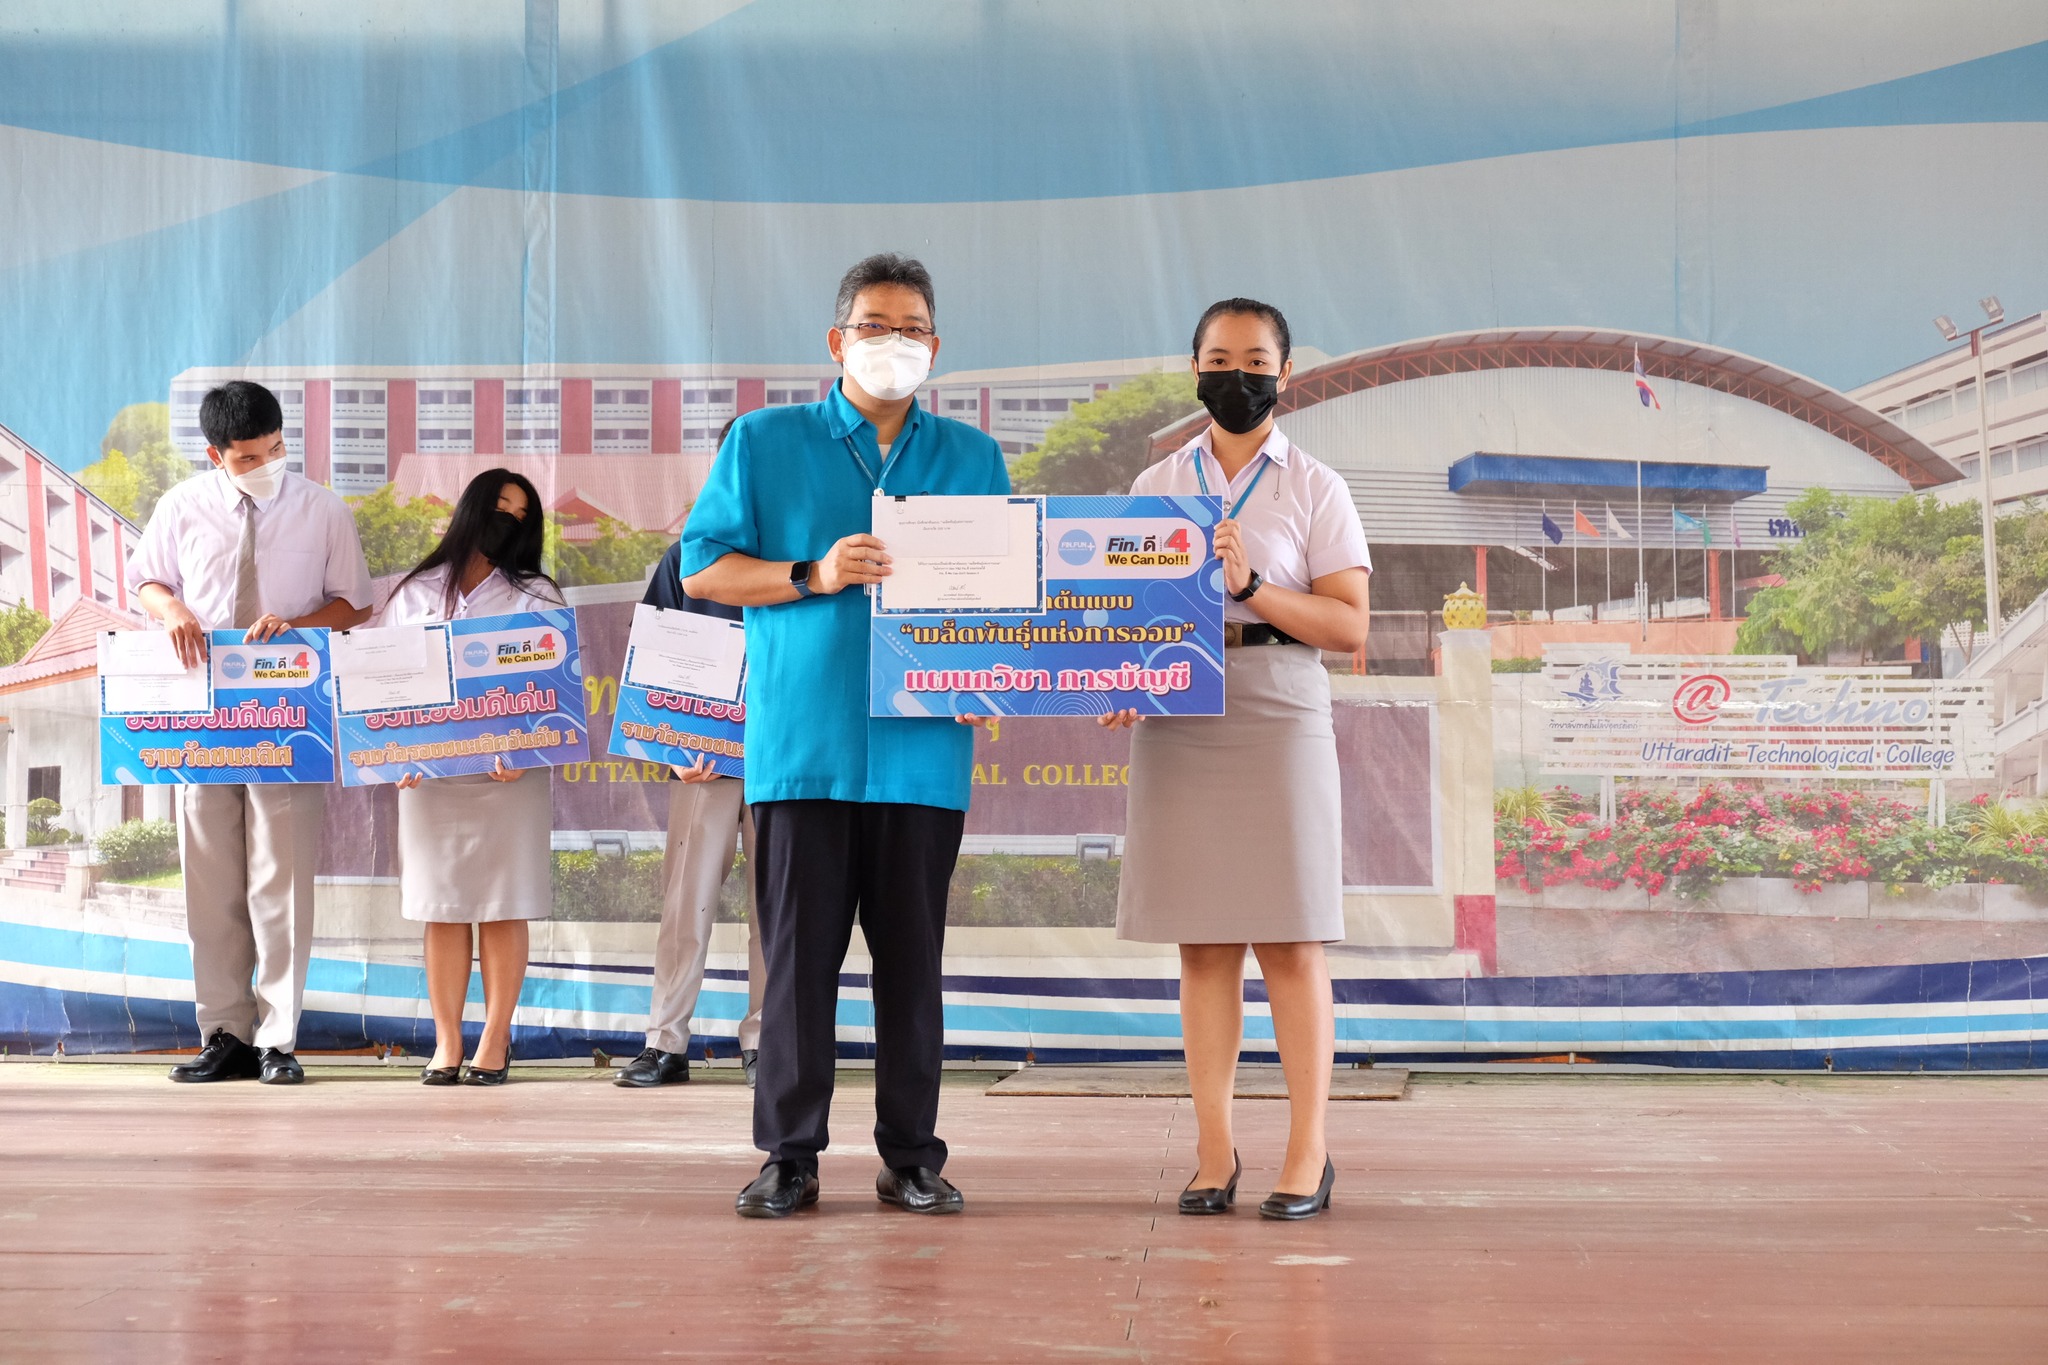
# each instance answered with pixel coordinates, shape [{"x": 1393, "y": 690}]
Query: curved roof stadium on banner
[{"x": 1586, "y": 348}]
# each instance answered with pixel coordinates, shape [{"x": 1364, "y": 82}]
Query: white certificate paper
[
  {"x": 140, "y": 676},
  {"x": 391, "y": 668},
  {"x": 944, "y": 527},
  {"x": 999, "y": 570},
  {"x": 686, "y": 651}
]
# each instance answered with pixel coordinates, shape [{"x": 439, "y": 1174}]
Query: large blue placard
[
  {"x": 1132, "y": 618},
  {"x": 518, "y": 696},
  {"x": 272, "y": 720},
  {"x": 675, "y": 727}
]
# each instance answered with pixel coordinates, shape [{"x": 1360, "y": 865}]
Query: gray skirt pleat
[
  {"x": 471, "y": 849},
  {"x": 1235, "y": 831}
]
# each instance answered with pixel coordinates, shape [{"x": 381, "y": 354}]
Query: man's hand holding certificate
[{"x": 1047, "y": 606}]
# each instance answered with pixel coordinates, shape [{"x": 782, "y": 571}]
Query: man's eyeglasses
[{"x": 871, "y": 331}]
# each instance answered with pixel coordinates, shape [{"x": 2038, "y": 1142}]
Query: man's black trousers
[{"x": 819, "y": 866}]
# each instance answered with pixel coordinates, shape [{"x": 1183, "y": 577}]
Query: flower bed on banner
[{"x": 1662, "y": 842}]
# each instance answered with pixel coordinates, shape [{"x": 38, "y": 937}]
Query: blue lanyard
[
  {"x": 1203, "y": 479},
  {"x": 874, "y": 479}
]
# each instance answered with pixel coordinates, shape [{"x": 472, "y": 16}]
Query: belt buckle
[{"x": 1233, "y": 634}]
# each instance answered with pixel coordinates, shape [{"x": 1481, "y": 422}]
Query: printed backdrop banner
[{"x": 1574, "y": 321}]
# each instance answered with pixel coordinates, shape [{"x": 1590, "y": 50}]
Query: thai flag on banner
[{"x": 1643, "y": 389}]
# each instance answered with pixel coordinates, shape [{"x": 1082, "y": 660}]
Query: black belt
[{"x": 1237, "y": 633}]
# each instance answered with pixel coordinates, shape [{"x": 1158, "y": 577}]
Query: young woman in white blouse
[
  {"x": 473, "y": 851},
  {"x": 1234, "y": 838}
]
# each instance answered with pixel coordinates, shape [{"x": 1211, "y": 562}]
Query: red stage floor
[{"x": 1569, "y": 1218}]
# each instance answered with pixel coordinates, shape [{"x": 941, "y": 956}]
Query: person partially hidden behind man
[
  {"x": 853, "y": 817},
  {"x": 253, "y": 547}
]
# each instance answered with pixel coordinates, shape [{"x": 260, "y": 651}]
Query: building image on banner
[{"x": 1527, "y": 462}]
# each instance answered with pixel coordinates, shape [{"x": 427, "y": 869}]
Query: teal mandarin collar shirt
[{"x": 787, "y": 485}]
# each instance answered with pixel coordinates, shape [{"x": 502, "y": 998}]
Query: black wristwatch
[
  {"x": 1249, "y": 588},
  {"x": 800, "y": 578}
]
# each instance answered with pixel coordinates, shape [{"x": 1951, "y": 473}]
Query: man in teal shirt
[{"x": 853, "y": 816}]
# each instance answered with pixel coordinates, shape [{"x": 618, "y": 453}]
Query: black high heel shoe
[
  {"x": 1213, "y": 1200},
  {"x": 1295, "y": 1206},
  {"x": 441, "y": 1075},
  {"x": 477, "y": 1075}
]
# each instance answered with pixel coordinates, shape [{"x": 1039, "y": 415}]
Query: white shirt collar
[{"x": 1275, "y": 446}]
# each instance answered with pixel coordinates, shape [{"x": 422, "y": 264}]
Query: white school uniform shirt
[
  {"x": 1298, "y": 525},
  {"x": 423, "y": 599},
  {"x": 307, "y": 550}
]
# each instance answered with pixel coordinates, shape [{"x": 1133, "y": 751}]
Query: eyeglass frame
[{"x": 875, "y": 331}]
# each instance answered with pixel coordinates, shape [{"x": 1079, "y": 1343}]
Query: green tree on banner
[
  {"x": 1105, "y": 443},
  {"x": 137, "y": 462},
  {"x": 618, "y": 554},
  {"x": 396, "y": 535},
  {"x": 1869, "y": 574},
  {"x": 21, "y": 625}
]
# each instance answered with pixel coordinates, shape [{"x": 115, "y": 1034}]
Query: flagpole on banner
[
  {"x": 1575, "y": 553},
  {"x": 1607, "y": 571},
  {"x": 1545, "y": 580},
  {"x": 1642, "y": 552},
  {"x": 1706, "y": 552},
  {"x": 1674, "y": 552}
]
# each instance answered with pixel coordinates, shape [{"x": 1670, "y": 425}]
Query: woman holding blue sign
[
  {"x": 1234, "y": 837},
  {"x": 473, "y": 850}
]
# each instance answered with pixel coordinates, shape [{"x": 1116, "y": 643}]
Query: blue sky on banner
[{"x": 491, "y": 183}]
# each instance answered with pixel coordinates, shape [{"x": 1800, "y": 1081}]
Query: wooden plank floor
[{"x": 1495, "y": 1219}]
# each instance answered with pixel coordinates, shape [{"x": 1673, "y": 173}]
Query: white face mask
[
  {"x": 261, "y": 482},
  {"x": 889, "y": 367}
]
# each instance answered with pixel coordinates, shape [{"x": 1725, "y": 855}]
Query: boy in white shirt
[{"x": 253, "y": 547}]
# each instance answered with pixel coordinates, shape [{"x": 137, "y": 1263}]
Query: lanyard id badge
[{"x": 1265, "y": 462}]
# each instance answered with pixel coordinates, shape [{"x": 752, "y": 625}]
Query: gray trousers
[
  {"x": 702, "y": 819},
  {"x": 248, "y": 853}
]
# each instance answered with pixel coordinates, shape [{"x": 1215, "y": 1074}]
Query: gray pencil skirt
[
  {"x": 471, "y": 849},
  {"x": 1235, "y": 832}
]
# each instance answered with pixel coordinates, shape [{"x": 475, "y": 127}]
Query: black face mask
[
  {"x": 499, "y": 533},
  {"x": 1237, "y": 399}
]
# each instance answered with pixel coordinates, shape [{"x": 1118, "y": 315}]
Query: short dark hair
[
  {"x": 884, "y": 267},
  {"x": 238, "y": 411},
  {"x": 1245, "y": 308}
]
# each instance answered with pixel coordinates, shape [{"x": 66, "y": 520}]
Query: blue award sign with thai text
[
  {"x": 518, "y": 684},
  {"x": 1130, "y": 616},
  {"x": 669, "y": 725},
  {"x": 271, "y": 720}
]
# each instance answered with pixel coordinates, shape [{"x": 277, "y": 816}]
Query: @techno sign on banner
[{"x": 1760, "y": 716}]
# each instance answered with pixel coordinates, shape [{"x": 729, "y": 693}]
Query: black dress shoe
[
  {"x": 478, "y": 1075},
  {"x": 1280, "y": 1205},
  {"x": 917, "y": 1190},
  {"x": 781, "y": 1189},
  {"x": 750, "y": 1060},
  {"x": 441, "y": 1075},
  {"x": 655, "y": 1067},
  {"x": 224, "y": 1058},
  {"x": 281, "y": 1068},
  {"x": 1211, "y": 1199}
]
